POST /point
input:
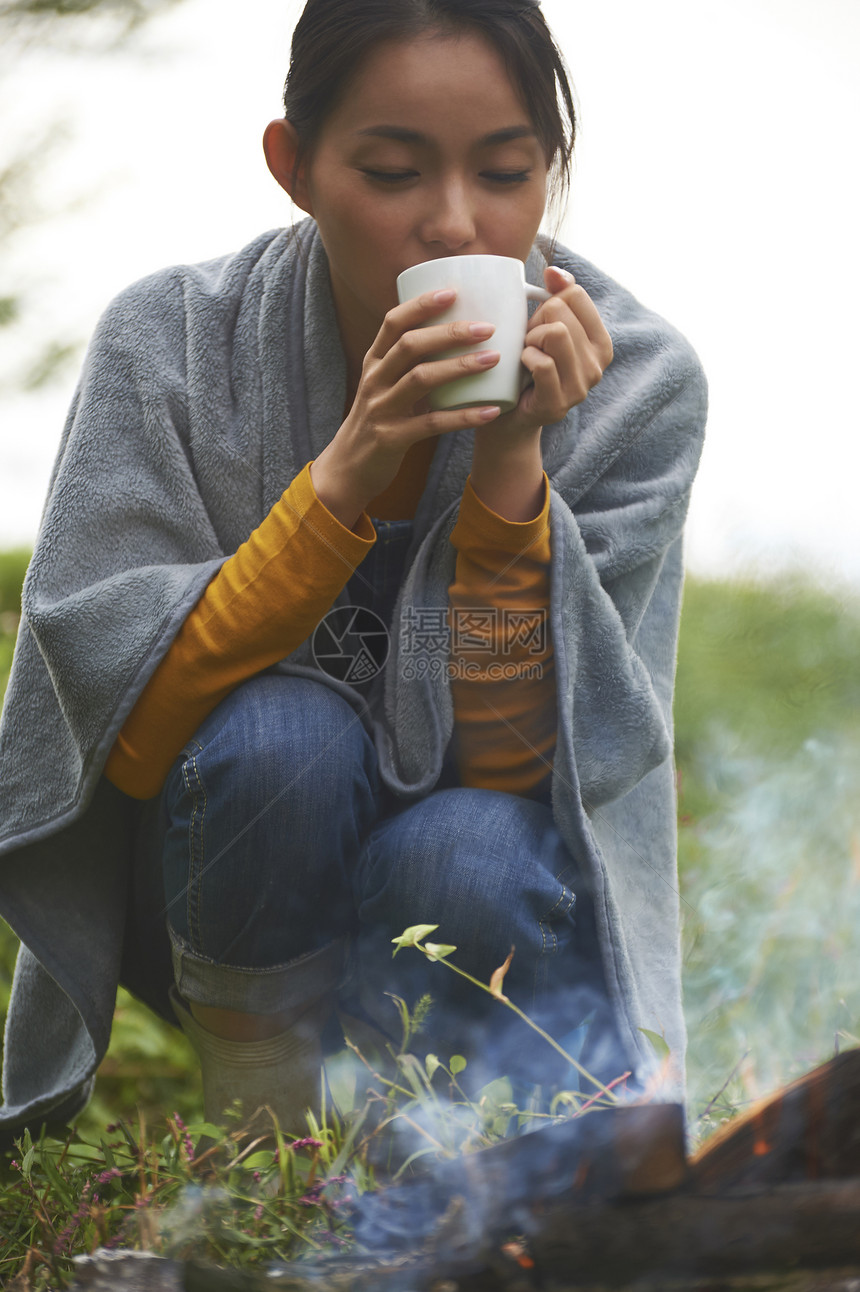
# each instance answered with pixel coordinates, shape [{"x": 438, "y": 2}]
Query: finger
[
  {"x": 423, "y": 378},
  {"x": 579, "y": 363},
  {"x": 565, "y": 289},
  {"x": 425, "y": 343},
  {"x": 586, "y": 337},
  {"x": 563, "y": 340},
  {"x": 415, "y": 313},
  {"x": 548, "y": 395},
  {"x": 428, "y": 423}
]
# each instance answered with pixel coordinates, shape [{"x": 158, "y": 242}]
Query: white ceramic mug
[{"x": 490, "y": 289}]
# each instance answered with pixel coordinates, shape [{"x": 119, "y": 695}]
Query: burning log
[
  {"x": 792, "y": 1237},
  {"x": 609, "y": 1201},
  {"x": 614, "y": 1153},
  {"x": 809, "y": 1130}
]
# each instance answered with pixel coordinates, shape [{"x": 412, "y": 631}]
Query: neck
[{"x": 358, "y": 330}]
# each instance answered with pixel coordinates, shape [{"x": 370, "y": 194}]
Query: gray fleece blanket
[{"x": 205, "y": 390}]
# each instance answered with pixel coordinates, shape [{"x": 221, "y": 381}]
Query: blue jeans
[{"x": 277, "y": 838}]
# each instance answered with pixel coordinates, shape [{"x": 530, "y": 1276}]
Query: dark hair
[{"x": 333, "y": 37}]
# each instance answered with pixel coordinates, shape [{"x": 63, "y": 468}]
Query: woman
[{"x": 205, "y": 798}]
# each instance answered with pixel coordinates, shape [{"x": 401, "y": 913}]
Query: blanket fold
[{"x": 204, "y": 392}]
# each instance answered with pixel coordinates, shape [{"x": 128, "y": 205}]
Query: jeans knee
[
  {"x": 488, "y": 868},
  {"x": 285, "y": 736}
]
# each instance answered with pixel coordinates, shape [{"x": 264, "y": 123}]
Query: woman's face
[{"x": 430, "y": 153}]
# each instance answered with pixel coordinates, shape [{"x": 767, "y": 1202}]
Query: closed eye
[
  {"x": 389, "y": 176},
  {"x": 402, "y": 176},
  {"x": 506, "y": 176}
]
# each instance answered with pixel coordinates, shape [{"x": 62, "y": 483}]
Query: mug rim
[{"x": 451, "y": 260}]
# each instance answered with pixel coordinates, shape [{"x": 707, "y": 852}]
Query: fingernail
[
  {"x": 487, "y": 414},
  {"x": 445, "y": 296},
  {"x": 564, "y": 273},
  {"x": 481, "y": 330},
  {"x": 488, "y": 357}
]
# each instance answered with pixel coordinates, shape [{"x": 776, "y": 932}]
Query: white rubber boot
[{"x": 282, "y": 1072}]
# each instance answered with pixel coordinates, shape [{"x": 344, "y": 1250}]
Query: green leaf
[
  {"x": 414, "y": 1074},
  {"x": 659, "y": 1042},
  {"x": 458, "y": 1064},
  {"x": 209, "y": 1129},
  {"x": 420, "y": 1152},
  {"x": 432, "y": 1065},
  {"x": 259, "y": 1161},
  {"x": 242, "y": 1239},
  {"x": 403, "y": 1010},
  {"x": 413, "y": 936},
  {"x": 56, "y": 1179},
  {"x": 565, "y": 1099},
  {"x": 436, "y": 950},
  {"x": 496, "y": 1092}
]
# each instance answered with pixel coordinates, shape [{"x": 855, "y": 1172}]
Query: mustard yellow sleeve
[
  {"x": 263, "y": 603},
  {"x": 502, "y": 663}
]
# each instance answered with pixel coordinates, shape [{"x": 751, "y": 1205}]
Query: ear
[{"x": 281, "y": 146}]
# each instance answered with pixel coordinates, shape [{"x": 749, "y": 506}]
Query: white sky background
[{"x": 715, "y": 178}]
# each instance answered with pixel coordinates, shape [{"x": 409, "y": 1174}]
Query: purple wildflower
[
  {"x": 187, "y": 1141},
  {"x": 64, "y": 1242},
  {"x": 307, "y": 1142},
  {"x": 334, "y": 1239}
]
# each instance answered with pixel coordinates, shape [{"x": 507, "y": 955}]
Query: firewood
[{"x": 809, "y": 1130}]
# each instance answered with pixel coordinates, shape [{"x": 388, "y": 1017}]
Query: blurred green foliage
[
  {"x": 71, "y": 26},
  {"x": 29, "y": 145},
  {"x": 774, "y": 663},
  {"x": 768, "y": 754},
  {"x": 13, "y": 567}
]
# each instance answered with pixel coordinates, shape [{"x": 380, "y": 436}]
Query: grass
[
  {"x": 268, "y": 1198},
  {"x": 769, "y": 854},
  {"x": 246, "y": 1194}
]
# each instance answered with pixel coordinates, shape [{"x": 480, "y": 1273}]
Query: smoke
[
  {"x": 771, "y": 881},
  {"x": 770, "y": 946}
]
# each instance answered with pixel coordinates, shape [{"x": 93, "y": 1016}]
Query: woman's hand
[
  {"x": 567, "y": 351},
  {"x": 389, "y": 413}
]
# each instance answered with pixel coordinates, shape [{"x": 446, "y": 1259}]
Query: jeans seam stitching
[
  {"x": 196, "y": 853},
  {"x": 544, "y": 921}
]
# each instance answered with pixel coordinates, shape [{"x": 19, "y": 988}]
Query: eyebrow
[{"x": 405, "y": 136}]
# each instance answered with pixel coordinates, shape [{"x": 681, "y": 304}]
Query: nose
[{"x": 450, "y": 221}]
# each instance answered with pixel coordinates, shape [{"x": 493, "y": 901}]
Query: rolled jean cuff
[{"x": 257, "y": 991}]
